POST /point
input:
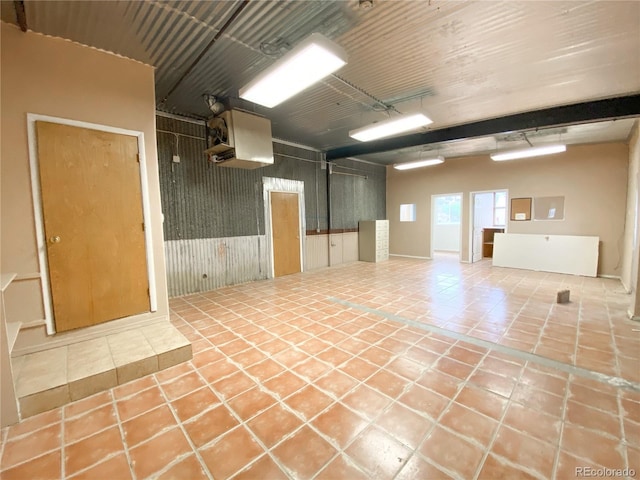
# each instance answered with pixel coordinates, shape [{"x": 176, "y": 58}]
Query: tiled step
[{"x": 51, "y": 378}]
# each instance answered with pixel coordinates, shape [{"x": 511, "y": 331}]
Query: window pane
[
  {"x": 501, "y": 199},
  {"x": 408, "y": 212},
  {"x": 499, "y": 216},
  {"x": 448, "y": 210}
]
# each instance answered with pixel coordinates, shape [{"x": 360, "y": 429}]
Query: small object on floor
[{"x": 563, "y": 296}]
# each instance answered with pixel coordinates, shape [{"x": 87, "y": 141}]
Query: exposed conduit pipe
[{"x": 221, "y": 32}]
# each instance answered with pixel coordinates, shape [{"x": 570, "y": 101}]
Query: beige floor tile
[
  {"x": 86, "y": 386},
  {"x": 89, "y": 358},
  {"x": 42, "y": 371},
  {"x": 164, "y": 337},
  {"x": 136, "y": 369},
  {"x": 42, "y": 401},
  {"x": 128, "y": 347}
]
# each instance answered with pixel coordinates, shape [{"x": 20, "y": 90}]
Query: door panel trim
[{"x": 38, "y": 215}]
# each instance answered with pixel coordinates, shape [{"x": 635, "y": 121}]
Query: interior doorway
[
  {"x": 446, "y": 216},
  {"x": 488, "y": 216}
]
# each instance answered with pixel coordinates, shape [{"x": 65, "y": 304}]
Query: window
[
  {"x": 500, "y": 208},
  {"x": 408, "y": 212},
  {"x": 448, "y": 209}
]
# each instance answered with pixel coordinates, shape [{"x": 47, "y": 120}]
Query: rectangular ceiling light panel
[
  {"x": 392, "y": 126},
  {"x": 528, "y": 152},
  {"x": 308, "y": 62},
  {"x": 419, "y": 163}
]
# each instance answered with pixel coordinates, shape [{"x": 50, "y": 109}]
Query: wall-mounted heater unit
[{"x": 240, "y": 139}]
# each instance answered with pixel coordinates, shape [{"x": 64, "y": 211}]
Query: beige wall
[
  {"x": 630, "y": 262},
  {"x": 59, "y": 78},
  {"x": 592, "y": 178},
  {"x": 631, "y": 243}
]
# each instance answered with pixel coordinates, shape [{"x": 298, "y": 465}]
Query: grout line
[
  {"x": 565, "y": 400},
  {"x": 443, "y": 412},
  {"x": 125, "y": 445},
  {"x": 186, "y": 436},
  {"x": 306, "y": 422},
  {"x": 63, "y": 474},
  {"x": 531, "y": 357}
]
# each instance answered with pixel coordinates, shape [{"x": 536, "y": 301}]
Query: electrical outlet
[{"x": 176, "y": 159}]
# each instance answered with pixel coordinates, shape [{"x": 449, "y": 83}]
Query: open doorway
[
  {"x": 488, "y": 217},
  {"x": 446, "y": 215}
]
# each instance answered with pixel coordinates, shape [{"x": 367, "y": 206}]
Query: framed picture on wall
[{"x": 520, "y": 209}]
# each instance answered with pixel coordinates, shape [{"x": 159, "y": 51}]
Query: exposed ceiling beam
[
  {"x": 598, "y": 110},
  {"x": 21, "y": 16}
]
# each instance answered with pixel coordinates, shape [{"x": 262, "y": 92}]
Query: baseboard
[
  {"x": 409, "y": 256},
  {"x": 614, "y": 277},
  {"x": 28, "y": 276},
  {"x": 34, "y": 324}
]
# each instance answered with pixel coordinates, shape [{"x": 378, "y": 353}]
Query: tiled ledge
[{"x": 49, "y": 379}]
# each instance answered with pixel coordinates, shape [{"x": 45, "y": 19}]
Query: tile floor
[{"x": 405, "y": 369}]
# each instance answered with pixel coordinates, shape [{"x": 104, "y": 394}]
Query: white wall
[{"x": 446, "y": 238}]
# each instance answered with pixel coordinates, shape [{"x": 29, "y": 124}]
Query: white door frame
[
  {"x": 433, "y": 220},
  {"x": 281, "y": 185},
  {"x": 472, "y": 196},
  {"x": 39, "y": 218}
]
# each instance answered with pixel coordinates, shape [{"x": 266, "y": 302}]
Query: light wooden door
[
  {"x": 93, "y": 224},
  {"x": 285, "y": 229}
]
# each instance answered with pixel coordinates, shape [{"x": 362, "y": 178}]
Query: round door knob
[{"x": 55, "y": 239}]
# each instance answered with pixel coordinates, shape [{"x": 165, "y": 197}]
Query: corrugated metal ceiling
[{"x": 459, "y": 62}]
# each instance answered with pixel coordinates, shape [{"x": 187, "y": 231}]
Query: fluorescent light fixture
[
  {"x": 392, "y": 126},
  {"x": 308, "y": 62},
  {"x": 419, "y": 163},
  {"x": 528, "y": 152}
]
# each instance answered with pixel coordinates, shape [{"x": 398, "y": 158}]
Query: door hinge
[
  {"x": 138, "y": 157},
  {"x": 148, "y": 293},
  {"x": 143, "y": 226}
]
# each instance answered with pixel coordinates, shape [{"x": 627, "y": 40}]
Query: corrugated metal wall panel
[
  {"x": 203, "y": 200},
  {"x": 199, "y": 265},
  {"x": 211, "y": 212}
]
